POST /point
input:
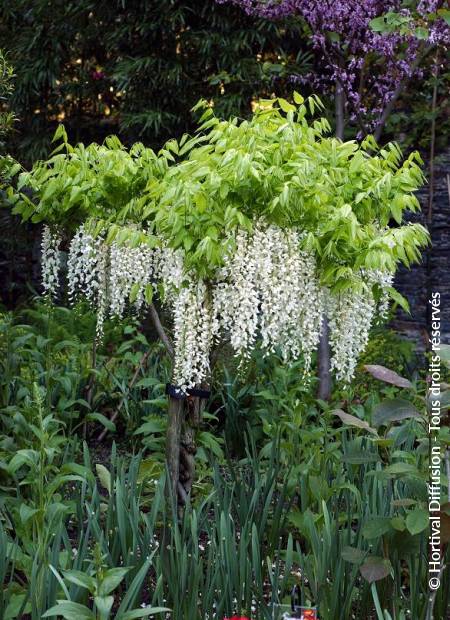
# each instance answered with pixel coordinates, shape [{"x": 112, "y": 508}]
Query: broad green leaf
[
  {"x": 285, "y": 105},
  {"x": 76, "y": 468},
  {"x": 377, "y": 527},
  {"x": 417, "y": 521},
  {"x": 378, "y": 24},
  {"x": 375, "y": 569},
  {"x": 353, "y": 555},
  {"x": 70, "y": 611},
  {"x": 393, "y": 410},
  {"x": 388, "y": 376},
  {"x": 401, "y": 469},
  {"x": 399, "y": 299},
  {"x": 15, "y": 604},
  {"x": 148, "y": 293},
  {"x": 27, "y": 512},
  {"x": 80, "y": 579},
  {"x": 398, "y": 523},
  {"x": 352, "y": 420},
  {"x": 136, "y": 287},
  {"x": 112, "y": 579},
  {"x": 102, "y": 419},
  {"x": 152, "y": 426},
  {"x": 104, "y": 604}
]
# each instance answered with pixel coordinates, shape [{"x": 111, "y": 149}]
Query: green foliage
[
  {"x": 6, "y": 89},
  {"x": 360, "y": 508},
  {"x": 38, "y": 510},
  {"x": 53, "y": 347},
  {"x": 343, "y": 507},
  {"x": 340, "y": 501},
  {"x": 196, "y": 191},
  {"x": 249, "y": 514},
  {"x": 100, "y": 586}
]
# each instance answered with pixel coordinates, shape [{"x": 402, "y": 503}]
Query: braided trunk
[{"x": 185, "y": 416}]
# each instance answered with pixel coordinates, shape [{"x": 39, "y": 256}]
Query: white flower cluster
[
  {"x": 385, "y": 280},
  {"x": 350, "y": 316},
  {"x": 102, "y": 292},
  {"x": 109, "y": 274},
  {"x": 168, "y": 268},
  {"x": 50, "y": 260},
  {"x": 193, "y": 334},
  {"x": 267, "y": 289},
  {"x": 129, "y": 267},
  {"x": 84, "y": 266},
  {"x": 270, "y": 288}
]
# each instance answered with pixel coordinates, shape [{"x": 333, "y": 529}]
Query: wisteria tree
[{"x": 249, "y": 232}]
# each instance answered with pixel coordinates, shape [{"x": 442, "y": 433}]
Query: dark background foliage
[{"x": 136, "y": 67}]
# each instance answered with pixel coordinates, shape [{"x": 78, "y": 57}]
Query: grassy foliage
[{"x": 300, "y": 497}]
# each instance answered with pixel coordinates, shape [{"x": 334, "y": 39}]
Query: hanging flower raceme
[
  {"x": 269, "y": 288},
  {"x": 130, "y": 271},
  {"x": 84, "y": 265},
  {"x": 50, "y": 260},
  {"x": 350, "y": 316},
  {"x": 193, "y": 334},
  {"x": 384, "y": 280}
]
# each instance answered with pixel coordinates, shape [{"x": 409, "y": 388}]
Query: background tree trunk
[
  {"x": 339, "y": 103},
  {"x": 323, "y": 360}
]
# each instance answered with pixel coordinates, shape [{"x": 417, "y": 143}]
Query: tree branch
[
  {"x": 339, "y": 110},
  {"x": 397, "y": 92},
  {"x": 161, "y": 331}
]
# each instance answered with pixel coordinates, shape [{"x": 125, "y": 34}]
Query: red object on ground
[{"x": 309, "y": 614}]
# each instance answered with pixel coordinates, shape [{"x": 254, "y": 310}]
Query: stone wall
[{"x": 433, "y": 274}]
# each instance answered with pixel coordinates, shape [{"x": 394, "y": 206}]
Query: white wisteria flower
[{"x": 50, "y": 260}]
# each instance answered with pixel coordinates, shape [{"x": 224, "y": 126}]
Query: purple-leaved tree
[{"x": 367, "y": 50}]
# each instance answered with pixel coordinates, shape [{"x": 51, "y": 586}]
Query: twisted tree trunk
[
  {"x": 184, "y": 419},
  {"x": 188, "y": 448},
  {"x": 175, "y": 415}
]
